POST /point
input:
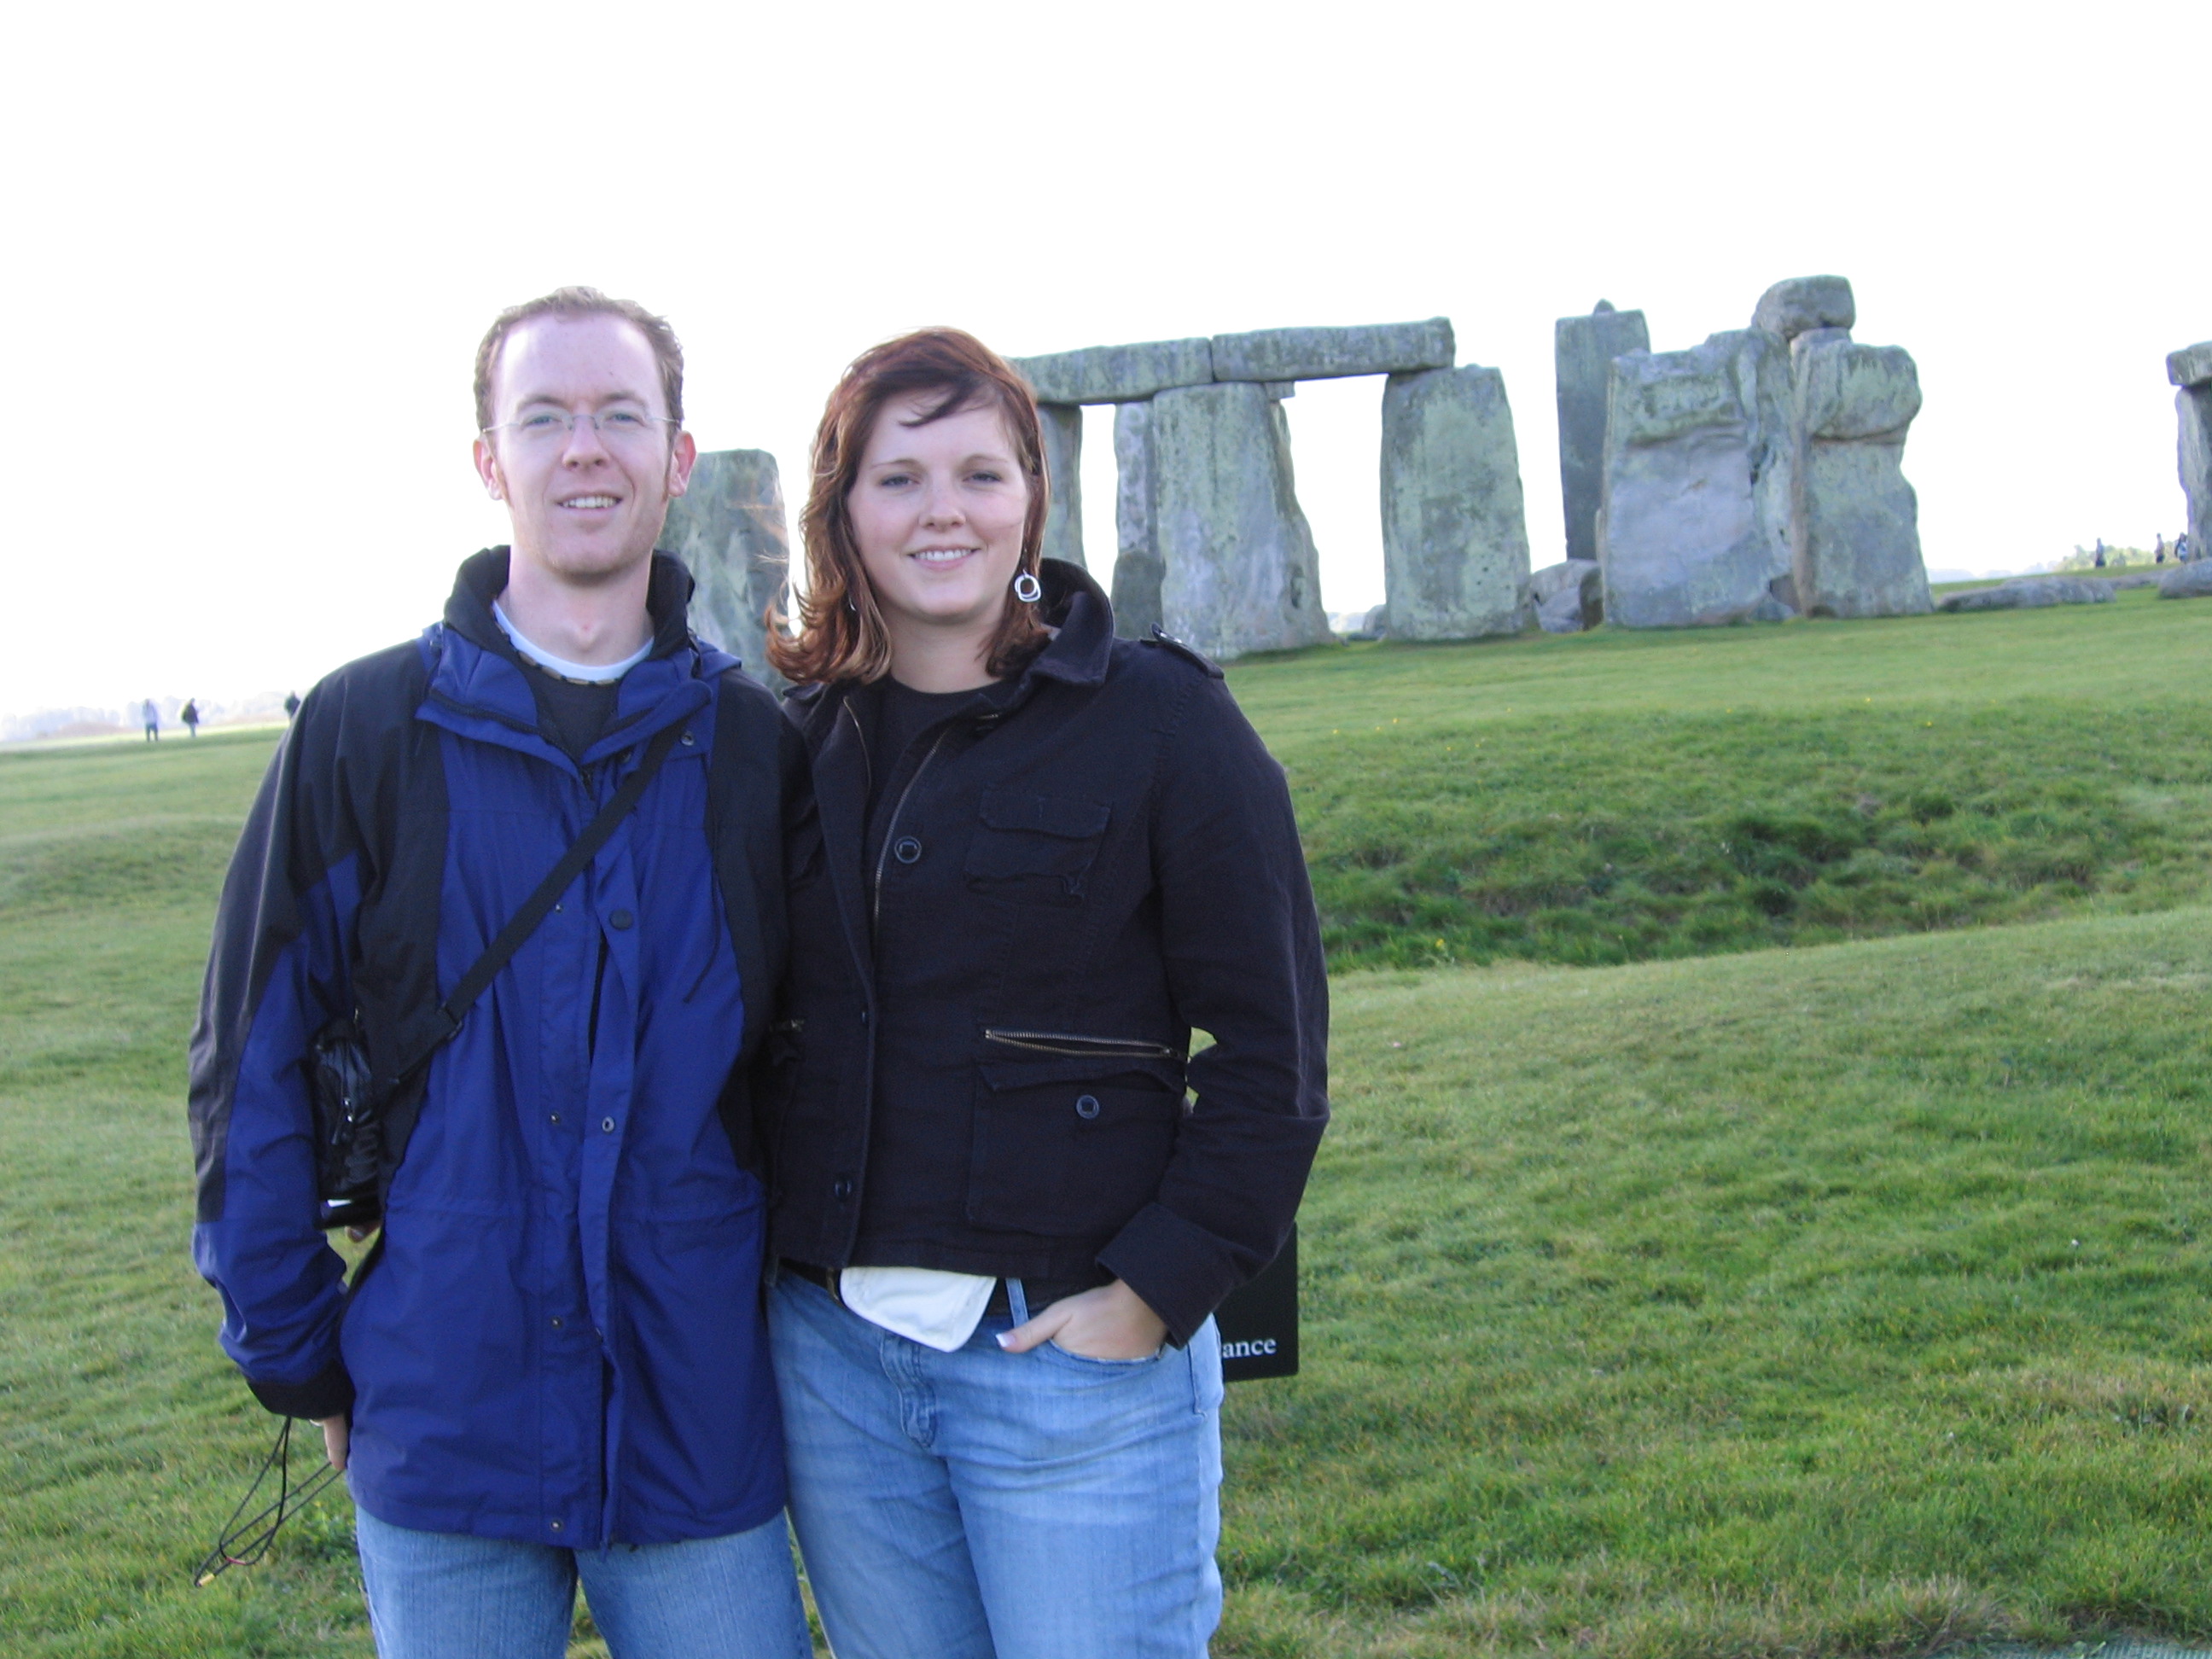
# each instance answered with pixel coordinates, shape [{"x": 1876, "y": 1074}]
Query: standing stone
[
  {"x": 1693, "y": 528},
  {"x": 1137, "y": 565},
  {"x": 2190, "y": 369},
  {"x": 1854, "y": 524},
  {"x": 1455, "y": 541},
  {"x": 1240, "y": 571},
  {"x": 1062, "y": 426},
  {"x": 1803, "y": 303},
  {"x": 1583, "y": 350},
  {"x": 728, "y": 529}
]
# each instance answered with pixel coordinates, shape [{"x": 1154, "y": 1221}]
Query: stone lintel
[
  {"x": 1117, "y": 374},
  {"x": 2191, "y": 365},
  {"x": 1327, "y": 354}
]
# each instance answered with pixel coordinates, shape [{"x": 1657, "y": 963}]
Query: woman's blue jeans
[
  {"x": 981, "y": 1505},
  {"x": 446, "y": 1596}
]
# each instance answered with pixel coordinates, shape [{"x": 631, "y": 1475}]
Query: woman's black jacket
[{"x": 982, "y": 1060}]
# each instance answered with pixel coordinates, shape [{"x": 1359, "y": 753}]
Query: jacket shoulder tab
[{"x": 1161, "y": 640}]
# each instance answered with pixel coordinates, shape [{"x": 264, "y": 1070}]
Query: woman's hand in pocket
[{"x": 1111, "y": 1322}]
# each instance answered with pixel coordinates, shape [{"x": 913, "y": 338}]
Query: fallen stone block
[
  {"x": 1854, "y": 524},
  {"x": 1062, "y": 426},
  {"x": 728, "y": 528},
  {"x": 2030, "y": 594},
  {"x": 1238, "y": 568},
  {"x": 1569, "y": 598},
  {"x": 1454, "y": 537},
  {"x": 1693, "y": 529},
  {"x": 1117, "y": 374},
  {"x": 1137, "y": 568},
  {"x": 2192, "y": 580},
  {"x": 1799, "y": 304},
  {"x": 1583, "y": 350},
  {"x": 1326, "y": 353}
]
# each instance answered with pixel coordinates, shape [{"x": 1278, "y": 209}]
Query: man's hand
[
  {"x": 1111, "y": 1322},
  {"x": 335, "y": 1438}
]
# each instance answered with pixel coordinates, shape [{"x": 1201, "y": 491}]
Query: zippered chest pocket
[{"x": 1036, "y": 848}]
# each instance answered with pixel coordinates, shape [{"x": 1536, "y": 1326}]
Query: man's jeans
[
  {"x": 446, "y": 1595},
  {"x": 987, "y": 1505}
]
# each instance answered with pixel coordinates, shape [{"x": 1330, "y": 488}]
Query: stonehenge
[
  {"x": 2190, "y": 370},
  {"x": 1211, "y": 544},
  {"x": 728, "y": 529},
  {"x": 1754, "y": 478},
  {"x": 1759, "y": 475}
]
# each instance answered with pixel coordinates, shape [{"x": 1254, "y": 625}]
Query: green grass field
[{"x": 1743, "y": 1249}]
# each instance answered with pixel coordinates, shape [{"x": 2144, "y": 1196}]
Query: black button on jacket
[{"x": 983, "y": 1061}]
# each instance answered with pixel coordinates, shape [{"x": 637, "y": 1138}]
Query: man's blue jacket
[{"x": 562, "y": 1341}]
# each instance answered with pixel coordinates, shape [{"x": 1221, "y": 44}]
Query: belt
[{"x": 1039, "y": 1293}]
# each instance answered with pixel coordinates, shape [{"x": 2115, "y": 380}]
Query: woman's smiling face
[{"x": 937, "y": 512}]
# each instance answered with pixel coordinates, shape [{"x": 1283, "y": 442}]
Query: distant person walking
[
  {"x": 2100, "y": 552},
  {"x": 190, "y": 714},
  {"x": 153, "y": 718},
  {"x": 2183, "y": 553},
  {"x": 291, "y": 704},
  {"x": 2158, "y": 550}
]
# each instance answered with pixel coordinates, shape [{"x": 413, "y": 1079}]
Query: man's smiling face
[{"x": 586, "y": 502}]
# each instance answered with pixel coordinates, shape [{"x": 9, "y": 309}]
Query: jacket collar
[
  {"x": 480, "y": 684},
  {"x": 1075, "y": 608}
]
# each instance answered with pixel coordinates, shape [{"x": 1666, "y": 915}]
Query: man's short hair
[{"x": 668, "y": 351}]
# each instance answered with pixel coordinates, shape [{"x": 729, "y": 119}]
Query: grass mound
[{"x": 1598, "y": 839}]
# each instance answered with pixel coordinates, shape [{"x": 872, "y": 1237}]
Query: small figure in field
[
  {"x": 190, "y": 714},
  {"x": 291, "y": 704},
  {"x": 153, "y": 719},
  {"x": 2158, "y": 549},
  {"x": 2183, "y": 553},
  {"x": 2100, "y": 552}
]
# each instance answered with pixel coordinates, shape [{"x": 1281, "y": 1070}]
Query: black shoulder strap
[{"x": 524, "y": 922}]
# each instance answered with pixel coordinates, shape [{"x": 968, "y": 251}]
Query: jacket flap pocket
[
  {"x": 1002, "y": 1075},
  {"x": 1045, "y": 815}
]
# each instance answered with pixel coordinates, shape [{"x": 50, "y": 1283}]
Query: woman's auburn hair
[{"x": 841, "y": 634}]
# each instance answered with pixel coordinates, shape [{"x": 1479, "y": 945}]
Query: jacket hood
[{"x": 483, "y": 579}]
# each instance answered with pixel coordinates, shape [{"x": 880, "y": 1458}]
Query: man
[
  {"x": 152, "y": 717},
  {"x": 553, "y": 1367}
]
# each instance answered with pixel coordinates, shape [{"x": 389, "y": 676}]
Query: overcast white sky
[{"x": 255, "y": 247}]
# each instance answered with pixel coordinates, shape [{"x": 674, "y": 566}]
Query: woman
[{"x": 1038, "y": 856}]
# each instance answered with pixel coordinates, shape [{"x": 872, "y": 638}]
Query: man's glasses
[{"x": 547, "y": 426}]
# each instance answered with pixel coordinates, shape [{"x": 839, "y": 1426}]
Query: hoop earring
[{"x": 1028, "y": 589}]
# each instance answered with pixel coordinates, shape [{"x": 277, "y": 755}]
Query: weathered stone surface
[
  {"x": 1062, "y": 426},
  {"x": 1570, "y": 596},
  {"x": 1854, "y": 523},
  {"x": 1583, "y": 350},
  {"x": 729, "y": 530},
  {"x": 2192, "y": 408},
  {"x": 1118, "y": 374},
  {"x": 1239, "y": 569},
  {"x": 2031, "y": 593},
  {"x": 1324, "y": 353},
  {"x": 1136, "y": 589},
  {"x": 1791, "y": 307},
  {"x": 2192, "y": 580},
  {"x": 2191, "y": 365},
  {"x": 1455, "y": 539},
  {"x": 1694, "y": 525}
]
